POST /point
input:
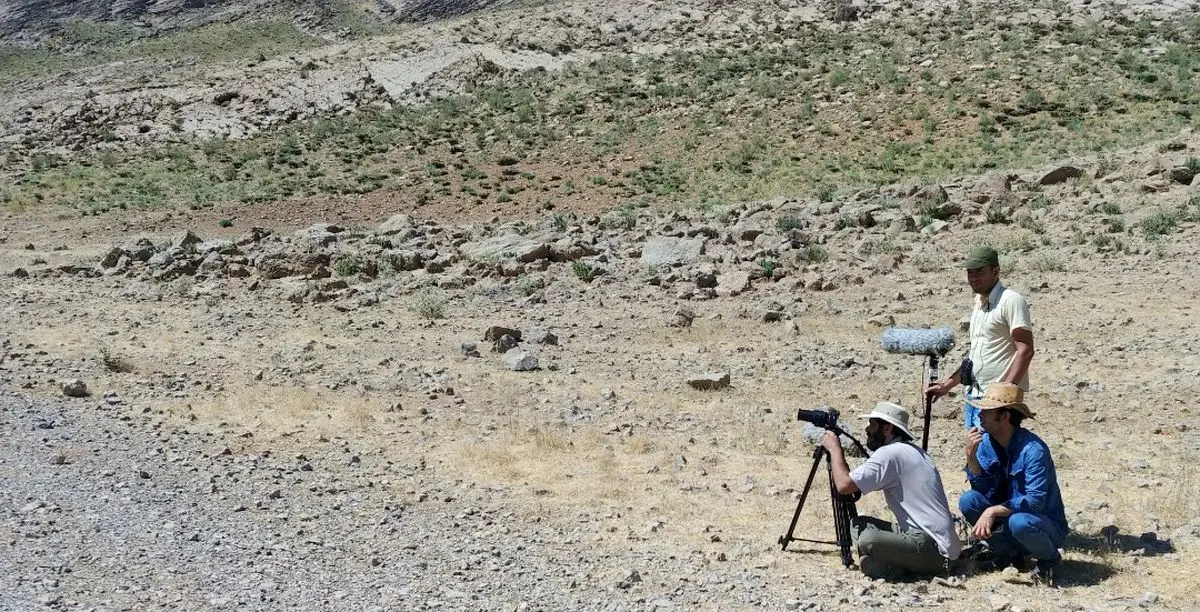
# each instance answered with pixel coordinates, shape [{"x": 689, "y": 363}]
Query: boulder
[
  {"x": 518, "y": 360},
  {"x": 506, "y": 247},
  {"x": 75, "y": 388},
  {"x": 709, "y": 381},
  {"x": 662, "y": 251},
  {"x": 1059, "y": 175}
]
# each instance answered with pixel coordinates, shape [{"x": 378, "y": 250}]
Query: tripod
[{"x": 844, "y": 509}]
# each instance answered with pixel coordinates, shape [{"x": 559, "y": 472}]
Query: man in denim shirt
[{"x": 1014, "y": 503}]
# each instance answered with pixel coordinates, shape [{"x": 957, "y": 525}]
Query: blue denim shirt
[{"x": 1026, "y": 482}]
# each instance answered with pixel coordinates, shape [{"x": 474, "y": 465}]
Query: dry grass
[{"x": 273, "y": 413}]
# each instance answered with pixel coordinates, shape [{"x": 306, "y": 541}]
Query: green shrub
[
  {"x": 1160, "y": 223},
  {"x": 429, "y": 303},
  {"x": 586, "y": 272},
  {"x": 529, "y": 285},
  {"x": 348, "y": 265},
  {"x": 1046, "y": 262},
  {"x": 114, "y": 363},
  {"x": 785, "y": 224},
  {"x": 767, "y": 267},
  {"x": 1193, "y": 165},
  {"x": 1110, "y": 208},
  {"x": 998, "y": 215},
  {"x": 814, "y": 254}
]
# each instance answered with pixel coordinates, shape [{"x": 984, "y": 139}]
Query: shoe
[
  {"x": 988, "y": 561},
  {"x": 1044, "y": 571},
  {"x": 876, "y": 570}
]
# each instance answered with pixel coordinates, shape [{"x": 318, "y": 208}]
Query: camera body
[
  {"x": 825, "y": 419},
  {"x": 966, "y": 373}
]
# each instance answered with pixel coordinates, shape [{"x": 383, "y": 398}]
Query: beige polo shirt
[{"x": 992, "y": 323}]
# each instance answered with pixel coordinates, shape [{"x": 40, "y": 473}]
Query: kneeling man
[
  {"x": 922, "y": 540},
  {"x": 1014, "y": 503}
]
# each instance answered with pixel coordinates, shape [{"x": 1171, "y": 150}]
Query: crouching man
[
  {"x": 922, "y": 541},
  {"x": 1014, "y": 503}
]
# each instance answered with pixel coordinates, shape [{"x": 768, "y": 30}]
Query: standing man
[
  {"x": 923, "y": 539},
  {"x": 1014, "y": 504},
  {"x": 1001, "y": 334}
]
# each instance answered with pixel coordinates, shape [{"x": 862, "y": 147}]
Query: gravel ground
[{"x": 106, "y": 512}]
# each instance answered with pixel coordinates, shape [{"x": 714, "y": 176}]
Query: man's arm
[
  {"x": 983, "y": 527},
  {"x": 837, "y": 460},
  {"x": 1023, "y": 339},
  {"x": 1034, "y": 462}
]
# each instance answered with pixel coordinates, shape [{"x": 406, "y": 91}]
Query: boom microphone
[{"x": 935, "y": 341}]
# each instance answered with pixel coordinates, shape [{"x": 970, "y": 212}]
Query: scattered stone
[
  {"x": 518, "y": 360},
  {"x": 494, "y": 333},
  {"x": 682, "y": 316},
  {"x": 629, "y": 580},
  {"x": 469, "y": 348},
  {"x": 542, "y": 336},
  {"x": 769, "y": 311},
  {"x": 75, "y": 388},
  {"x": 711, "y": 381}
]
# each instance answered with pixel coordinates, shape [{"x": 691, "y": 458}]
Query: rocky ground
[
  {"x": 352, "y": 402},
  {"x": 275, "y": 419}
]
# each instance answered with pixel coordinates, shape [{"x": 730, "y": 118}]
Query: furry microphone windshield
[{"x": 918, "y": 341}]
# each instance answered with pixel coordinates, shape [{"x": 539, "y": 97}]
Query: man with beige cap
[
  {"x": 1014, "y": 503},
  {"x": 923, "y": 539},
  {"x": 1001, "y": 334}
]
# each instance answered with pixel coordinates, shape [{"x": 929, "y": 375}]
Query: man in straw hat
[
  {"x": 1014, "y": 503},
  {"x": 923, "y": 539}
]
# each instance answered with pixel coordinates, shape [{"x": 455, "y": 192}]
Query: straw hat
[{"x": 1002, "y": 395}]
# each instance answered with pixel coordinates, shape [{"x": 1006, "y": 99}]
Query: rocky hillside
[
  {"x": 515, "y": 310},
  {"x": 33, "y": 22}
]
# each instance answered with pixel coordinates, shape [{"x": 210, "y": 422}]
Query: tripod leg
[
  {"x": 841, "y": 518},
  {"x": 784, "y": 540}
]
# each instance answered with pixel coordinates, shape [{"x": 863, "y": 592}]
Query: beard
[{"x": 875, "y": 441}]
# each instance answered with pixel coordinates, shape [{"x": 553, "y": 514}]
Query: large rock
[
  {"x": 518, "y": 360},
  {"x": 662, "y": 251},
  {"x": 709, "y": 381},
  {"x": 140, "y": 250},
  {"x": 507, "y": 247},
  {"x": 1060, "y": 174},
  {"x": 75, "y": 388},
  {"x": 185, "y": 241},
  {"x": 396, "y": 224},
  {"x": 321, "y": 234}
]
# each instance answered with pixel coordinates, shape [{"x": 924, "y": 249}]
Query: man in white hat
[
  {"x": 923, "y": 539},
  {"x": 1014, "y": 503}
]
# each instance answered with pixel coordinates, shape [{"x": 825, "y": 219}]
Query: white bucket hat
[{"x": 891, "y": 413}]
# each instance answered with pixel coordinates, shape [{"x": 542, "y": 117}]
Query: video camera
[{"x": 825, "y": 419}]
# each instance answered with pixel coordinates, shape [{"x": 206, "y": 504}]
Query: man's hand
[
  {"x": 938, "y": 389},
  {"x": 831, "y": 442},
  {"x": 983, "y": 527},
  {"x": 974, "y": 438}
]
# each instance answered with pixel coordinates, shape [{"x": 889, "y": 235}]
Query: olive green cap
[{"x": 982, "y": 256}]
